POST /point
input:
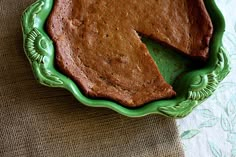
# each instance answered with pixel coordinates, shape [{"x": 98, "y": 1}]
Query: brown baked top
[{"x": 99, "y": 47}]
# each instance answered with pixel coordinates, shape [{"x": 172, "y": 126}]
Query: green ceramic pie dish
[{"x": 193, "y": 85}]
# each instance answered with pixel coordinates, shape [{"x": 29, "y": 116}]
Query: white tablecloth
[{"x": 210, "y": 130}]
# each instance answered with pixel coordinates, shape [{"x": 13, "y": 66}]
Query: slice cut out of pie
[{"x": 98, "y": 44}]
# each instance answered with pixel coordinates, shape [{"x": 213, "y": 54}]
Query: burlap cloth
[{"x": 44, "y": 122}]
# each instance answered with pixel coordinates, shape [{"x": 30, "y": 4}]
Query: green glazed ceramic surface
[{"x": 193, "y": 87}]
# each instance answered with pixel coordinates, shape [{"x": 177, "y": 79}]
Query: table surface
[{"x": 210, "y": 130}]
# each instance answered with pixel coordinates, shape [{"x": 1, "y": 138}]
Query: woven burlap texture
[{"x": 38, "y": 121}]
